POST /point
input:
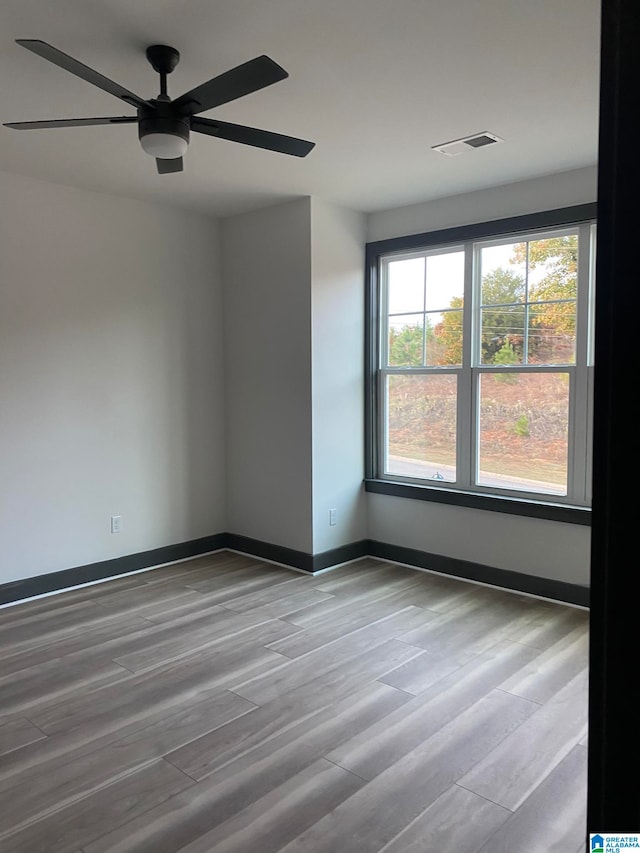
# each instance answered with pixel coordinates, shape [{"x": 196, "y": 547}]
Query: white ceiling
[{"x": 375, "y": 83}]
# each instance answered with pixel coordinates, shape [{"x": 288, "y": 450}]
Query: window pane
[
  {"x": 445, "y": 281},
  {"x": 421, "y": 426},
  {"x": 405, "y": 286},
  {"x": 503, "y": 274},
  {"x": 406, "y": 340},
  {"x": 502, "y": 335},
  {"x": 553, "y": 289},
  {"x": 444, "y": 338},
  {"x": 523, "y": 431},
  {"x": 552, "y": 333},
  {"x": 553, "y": 268}
]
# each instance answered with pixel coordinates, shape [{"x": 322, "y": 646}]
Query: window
[{"x": 481, "y": 361}]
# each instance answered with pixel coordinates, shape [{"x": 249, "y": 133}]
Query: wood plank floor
[{"x": 226, "y": 705}]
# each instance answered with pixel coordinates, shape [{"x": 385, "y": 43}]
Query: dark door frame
[{"x": 614, "y": 679}]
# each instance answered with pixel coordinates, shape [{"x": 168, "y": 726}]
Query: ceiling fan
[{"x": 164, "y": 124}]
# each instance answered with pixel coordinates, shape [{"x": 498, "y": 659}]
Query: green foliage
[
  {"x": 506, "y": 355},
  {"x": 502, "y": 287},
  {"x": 521, "y": 426},
  {"x": 405, "y": 346},
  {"x": 503, "y": 325}
]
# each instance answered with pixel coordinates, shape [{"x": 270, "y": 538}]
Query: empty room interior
[{"x": 296, "y": 425}]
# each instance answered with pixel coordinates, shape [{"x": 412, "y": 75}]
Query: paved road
[{"x": 417, "y": 468}]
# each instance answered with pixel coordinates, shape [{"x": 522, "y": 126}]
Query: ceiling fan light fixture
[
  {"x": 164, "y": 146},
  {"x": 161, "y": 134}
]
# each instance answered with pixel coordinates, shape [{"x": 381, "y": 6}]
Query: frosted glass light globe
[{"x": 165, "y": 146}]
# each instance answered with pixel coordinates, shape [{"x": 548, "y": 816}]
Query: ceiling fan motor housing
[{"x": 161, "y": 120}]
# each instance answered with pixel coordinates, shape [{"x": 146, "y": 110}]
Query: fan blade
[
  {"x": 166, "y": 167},
  {"x": 239, "y": 81},
  {"x": 70, "y": 122},
  {"x": 46, "y": 51},
  {"x": 253, "y": 136}
]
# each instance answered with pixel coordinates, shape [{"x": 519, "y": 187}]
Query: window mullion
[
  {"x": 525, "y": 348},
  {"x": 424, "y": 314},
  {"x": 466, "y": 424}
]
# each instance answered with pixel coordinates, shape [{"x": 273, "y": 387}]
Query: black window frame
[{"x": 374, "y": 251}]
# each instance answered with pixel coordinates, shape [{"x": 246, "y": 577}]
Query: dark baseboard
[
  {"x": 306, "y": 562},
  {"x": 302, "y": 560},
  {"x": 27, "y": 588},
  {"x": 336, "y": 556},
  {"x": 545, "y": 587},
  {"x": 267, "y": 551}
]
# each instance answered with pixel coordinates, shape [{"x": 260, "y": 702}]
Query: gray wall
[
  {"x": 533, "y": 546},
  {"x": 294, "y": 333},
  {"x": 337, "y": 277},
  {"x": 267, "y": 330},
  {"x": 111, "y": 380}
]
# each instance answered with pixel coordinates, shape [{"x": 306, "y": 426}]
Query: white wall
[
  {"x": 533, "y": 546},
  {"x": 337, "y": 276},
  {"x": 111, "y": 381},
  {"x": 267, "y": 326},
  {"x": 547, "y": 193}
]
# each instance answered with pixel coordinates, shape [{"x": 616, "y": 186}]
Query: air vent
[{"x": 467, "y": 143}]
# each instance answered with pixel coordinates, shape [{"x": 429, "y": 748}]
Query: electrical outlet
[
  {"x": 333, "y": 517},
  {"x": 116, "y": 524}
]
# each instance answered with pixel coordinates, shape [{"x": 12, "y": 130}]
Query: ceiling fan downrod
[{"x": 163, "y": 59}]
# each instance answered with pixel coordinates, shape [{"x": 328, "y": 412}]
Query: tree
[
  {"x": 405, "y": 346},
  {"x": 449, "y": 334},
  {"x": 559, "y": 257},
  {"x": 552, "y": 322},
  {"x": 506, "y": 355},
  {"x": 503, "y": 324}
]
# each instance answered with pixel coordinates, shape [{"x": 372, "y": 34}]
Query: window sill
[{"x": 532, "y": 509}]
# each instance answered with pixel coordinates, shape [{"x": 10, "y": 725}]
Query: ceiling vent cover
[{"x": 459, "y": 146}]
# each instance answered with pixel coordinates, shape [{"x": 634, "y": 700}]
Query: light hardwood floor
[{"x": 226, "y": 705}]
